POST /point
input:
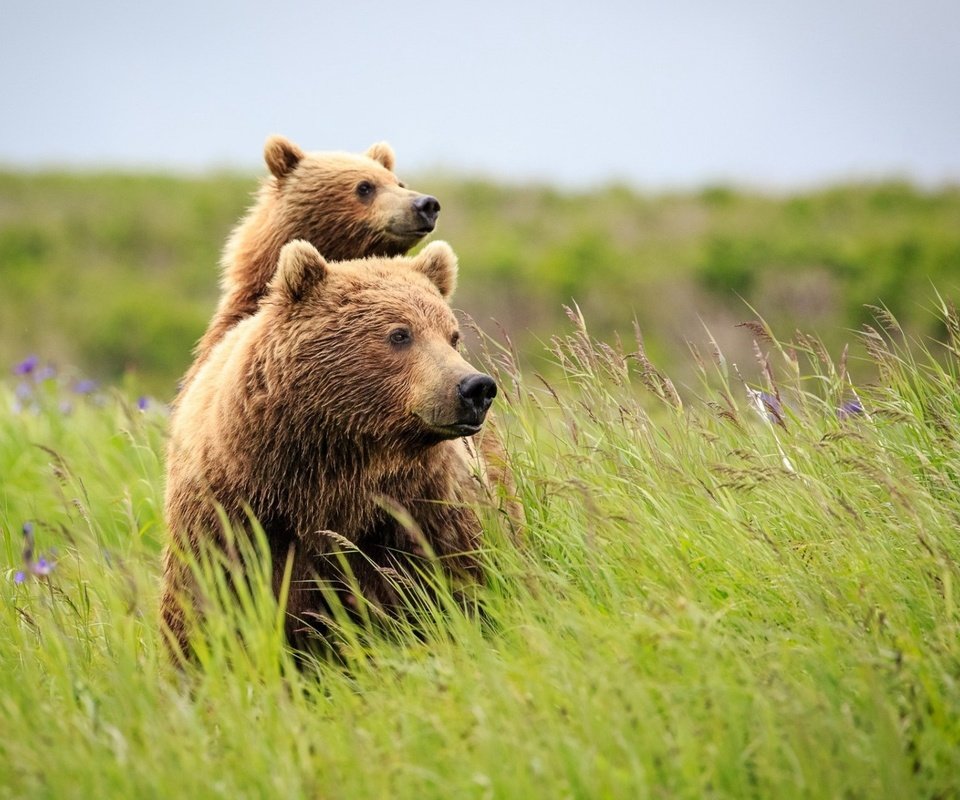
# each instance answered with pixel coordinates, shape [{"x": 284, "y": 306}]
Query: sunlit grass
[{"x": 709, "y": 599}]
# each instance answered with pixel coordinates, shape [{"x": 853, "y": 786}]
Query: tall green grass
[{"x": 723, "y": 590}]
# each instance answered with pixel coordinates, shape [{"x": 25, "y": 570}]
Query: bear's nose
[
  {"x": 428, "y": 208},
  {"x": 477, "y": 392}
]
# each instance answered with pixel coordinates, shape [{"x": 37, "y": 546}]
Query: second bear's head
[
  {"x": 372, "y": 346},
  {"x": 354, "y": 204}
]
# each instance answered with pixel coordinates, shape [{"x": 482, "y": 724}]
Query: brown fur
[
  {"x": 311, "y": 196},
  {"x": 310, "y": 416}
]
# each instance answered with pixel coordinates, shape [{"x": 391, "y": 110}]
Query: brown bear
[
  {"x": 348, "y": 206},
  {"x": 341, "y": 407}
]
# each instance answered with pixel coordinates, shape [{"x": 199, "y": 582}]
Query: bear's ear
[
  {"x": 383, "y": 153},
  {"x": 300, "y": 267},
  {"x": 281, "y": 155},
  {"x": 439, "y": 263}
]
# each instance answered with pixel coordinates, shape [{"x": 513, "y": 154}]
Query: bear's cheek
[{"x": 378, "y": 397}]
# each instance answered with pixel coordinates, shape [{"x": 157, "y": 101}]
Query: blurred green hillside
[{"x": 118, "y": 273}]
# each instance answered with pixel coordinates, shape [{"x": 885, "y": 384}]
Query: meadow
[
  {"x": 116, "y": 274},
  {"x": 749, "y": 593},
  {"x": 738, "y": 574}
]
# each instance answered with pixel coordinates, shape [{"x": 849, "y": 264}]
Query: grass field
[{"x": 719, "y": 594}]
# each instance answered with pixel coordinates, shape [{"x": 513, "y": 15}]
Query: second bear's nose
[
  {"x": 477, "y": 392},
  {"x": 428, "y": 208}
]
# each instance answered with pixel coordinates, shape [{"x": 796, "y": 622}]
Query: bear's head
[
  {"x": 376, "y": 213},
  {"x": 369, "y": 348}
]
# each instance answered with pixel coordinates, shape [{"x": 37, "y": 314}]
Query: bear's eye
[
  {"x": 455, "y": 339},
  {"x": 364, "y": 189},
  {"x": 400, "y": 336}
]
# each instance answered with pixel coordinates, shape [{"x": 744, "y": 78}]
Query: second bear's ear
[
  {"x": 299, "y": 268},
  {"x": 281, "y": 155},
  {"x": 439, "y": 263},
  {"x": 383, "y": 153}
]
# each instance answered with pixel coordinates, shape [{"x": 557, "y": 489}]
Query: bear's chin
[
  {"x": 441, "y": 433},
  {"x": 398, "y": 242}
]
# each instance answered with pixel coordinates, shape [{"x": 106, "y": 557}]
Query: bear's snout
[
  {"x": 428, "y": 209},
  {"x": 476, "y": 393},
  {"x": 455, "y": 403}
]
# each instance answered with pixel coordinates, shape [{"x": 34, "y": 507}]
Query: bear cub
[{"x": 348, "y": 206}]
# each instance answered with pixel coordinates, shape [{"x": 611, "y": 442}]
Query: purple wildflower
[
  {"x": 24, "y": 398},
  {"x": 143, "y": 402},
  {"x": 27, "y": 366},
  {"x": 85, "y": 386},
  {"x": 41, "y": 567},
  {"x": 849, "y": 409},
  {"x": 46, "y": 373},
  {"x": 28, "y": 543}
]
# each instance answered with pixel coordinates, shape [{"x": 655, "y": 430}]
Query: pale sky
[{"x": 679, "y": 93}]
